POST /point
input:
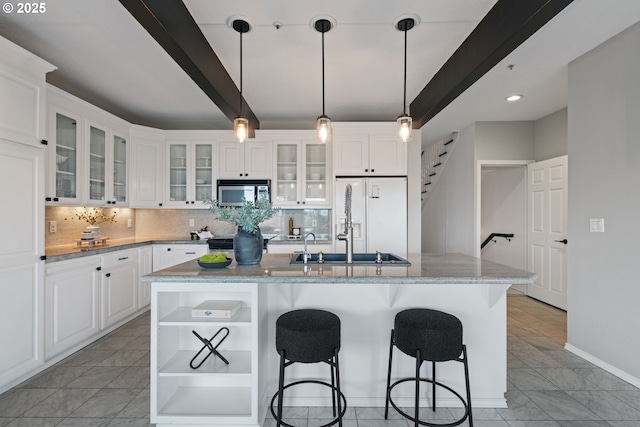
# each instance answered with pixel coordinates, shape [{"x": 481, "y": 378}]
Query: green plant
[{"x": 248, "y": 216}]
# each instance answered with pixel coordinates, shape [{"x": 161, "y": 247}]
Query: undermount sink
[{"x": 386, "y": 259}]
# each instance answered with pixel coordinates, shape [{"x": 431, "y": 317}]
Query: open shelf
[
  {"x": 239, "y": 365},
  {"x": 208, "y": 401},
  {"x": 182, "y": 316}
]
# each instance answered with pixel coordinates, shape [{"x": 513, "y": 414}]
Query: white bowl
[
  {"x": 289, "y": 176},
  {"x": 315, "y": 176},
  {"x": 200, "y": 181}
]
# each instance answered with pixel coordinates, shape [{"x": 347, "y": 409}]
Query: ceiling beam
[
  {"x": 507, "y": 25},
  {"x": 172, "y": 26}
]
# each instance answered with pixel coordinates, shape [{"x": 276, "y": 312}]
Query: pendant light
[
  {"x": 404, "y": 120},
  {"x": 240, "y": 123},
  {"x": 324, "y": 122}
]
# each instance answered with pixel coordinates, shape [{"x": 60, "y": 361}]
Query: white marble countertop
[{"x": 425, "y": 268}]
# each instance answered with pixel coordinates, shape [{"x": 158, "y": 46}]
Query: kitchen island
[{"x": 366, "y": 298}]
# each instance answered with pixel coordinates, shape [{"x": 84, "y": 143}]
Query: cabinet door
[
  {"x": 257, "y": 159},
  {"x": 71, "y": 304},
  {"x": 202, "y": 161},
  {"x": 119, "y": 293},
  {"x": 315, "y": 175},
  {"x": 351, "y": 155},
  {"x": 96, "y": 175},
  {"x": 162, "y": 257},
  {"x": 21, "y": 270},
  {"x": 63, "y": 165},
  {"x": 148, "y": 173},
  {"x": 145, "y": 266},
  {"x": 387, "y": 155},
  {"x": 177, "y": 178},
  {"x": 231, "y": 160},
  {"x": 286, "y": 190},
  {"x": 21, "y": 104},
  {"x": 118, "y": 193}
]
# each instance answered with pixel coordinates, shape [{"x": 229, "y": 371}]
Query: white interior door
[{"x": 547, "y": 230}]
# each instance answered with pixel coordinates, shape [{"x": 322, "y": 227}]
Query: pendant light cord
[
  {"x": 323, "y": 74},
  {"x": 404, "y": 100},
  {"x": 241, "y": 73}
]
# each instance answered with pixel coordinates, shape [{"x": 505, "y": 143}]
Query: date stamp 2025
[{"x": 25, "y": 8}]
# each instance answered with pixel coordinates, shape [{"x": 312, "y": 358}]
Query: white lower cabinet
[
  {"x": 165, "y": 256},
  {"x": 215, "y": 393},
  {"x": 72, "y": 302},
  {"x": 119, "y": 286},
  {"x": 145, "y": 266}
]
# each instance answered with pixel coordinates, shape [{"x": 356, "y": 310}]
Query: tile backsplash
[
  {"x": 174, "y": 223},
  {"x": 69, "y": 228}
]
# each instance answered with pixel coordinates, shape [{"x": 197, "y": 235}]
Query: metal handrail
[{"x": 507, "y": 236}]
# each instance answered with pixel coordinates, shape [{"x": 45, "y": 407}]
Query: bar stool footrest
[
  {"x": 335, "y": 389},
  {"x": 425, "y": 423}
]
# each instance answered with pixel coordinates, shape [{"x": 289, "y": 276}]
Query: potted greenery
[{"x": 248, "y": 241}]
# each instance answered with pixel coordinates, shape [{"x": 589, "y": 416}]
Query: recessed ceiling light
[{"x": 512, "y": 98}]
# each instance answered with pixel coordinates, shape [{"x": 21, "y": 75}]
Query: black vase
[{"x": 247, "y": 247}]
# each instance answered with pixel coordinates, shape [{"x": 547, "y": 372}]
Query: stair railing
[
  {"x": 433, "y": 159},
  {"x": 491, "y": 237}
]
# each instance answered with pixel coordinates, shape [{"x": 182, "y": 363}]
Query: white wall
[
  {"x": 604, "y": 173},
  {"x": 414, "y": 200},
  {"x": 448, "y": 221},
  {"x": 550, "y": 136},
  {"x": 504, "y": 140},
  {"x": 503, "y": 210}
]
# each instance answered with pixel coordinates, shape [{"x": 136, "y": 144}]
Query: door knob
[{"x": 565, "y": 241}]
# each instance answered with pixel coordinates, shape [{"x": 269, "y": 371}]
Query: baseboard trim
[{"x": 604, "y": 365}]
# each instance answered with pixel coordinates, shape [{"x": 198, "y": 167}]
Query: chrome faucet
[
  {"x": 347, "y": 235},
  {"x": 306, "y": 254}
]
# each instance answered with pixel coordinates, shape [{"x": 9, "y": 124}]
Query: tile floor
[{"x": 107, "y": 384}]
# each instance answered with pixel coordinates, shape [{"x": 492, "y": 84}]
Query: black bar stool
[
  {"x": 428, "y": 335},
  {"x": 309, "y": 336}
]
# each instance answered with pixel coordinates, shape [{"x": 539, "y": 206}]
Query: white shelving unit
[{"x": 215, "y": 393}]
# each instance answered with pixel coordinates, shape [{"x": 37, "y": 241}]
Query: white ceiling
[{"x": 104, "y": 55}]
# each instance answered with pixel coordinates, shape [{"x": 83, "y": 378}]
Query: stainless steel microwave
[{"x": 231, "y": 192}]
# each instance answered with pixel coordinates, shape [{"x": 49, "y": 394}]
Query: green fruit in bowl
[{"x": 218, "y": 257}]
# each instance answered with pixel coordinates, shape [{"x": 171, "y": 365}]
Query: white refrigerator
[{"x": 378, "y": 214}]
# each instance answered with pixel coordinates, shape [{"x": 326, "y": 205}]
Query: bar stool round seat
[
  {"x": 309, "y": 336},
  {"x": 433, "y": 336}
]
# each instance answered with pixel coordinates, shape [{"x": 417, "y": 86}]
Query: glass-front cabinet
[
  {"x": 119, "y": 184},
  {"x": 65, "y": 150},
  {"x": 97, "y": 165},
  {"x": 301, "y": 174},
  {"x": 106, "y": 177},
  {"x": 190, "y": 173}
]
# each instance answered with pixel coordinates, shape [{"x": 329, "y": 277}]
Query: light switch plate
[
  {"x": 596, "y": 225},
  {"x": 53, "y": 226}
]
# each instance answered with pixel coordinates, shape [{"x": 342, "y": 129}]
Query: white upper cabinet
[
  {"x": 301, "y": 174},
  {"x": 190, "y": 176},
  {"x": 369, "y": 155},
  {"x": 87, "y": 154},
  {"x": 96, "y": 176},
  {"x": 63, "y": 162},
  {"x": 251, "y": 159},
  {"x": 147, "y": 167},
  {"x": 22, "y": 94},
  {"x": 105, "y": 181}
]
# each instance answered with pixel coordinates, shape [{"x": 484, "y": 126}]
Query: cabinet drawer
[{"x": 118, "y": 258}]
